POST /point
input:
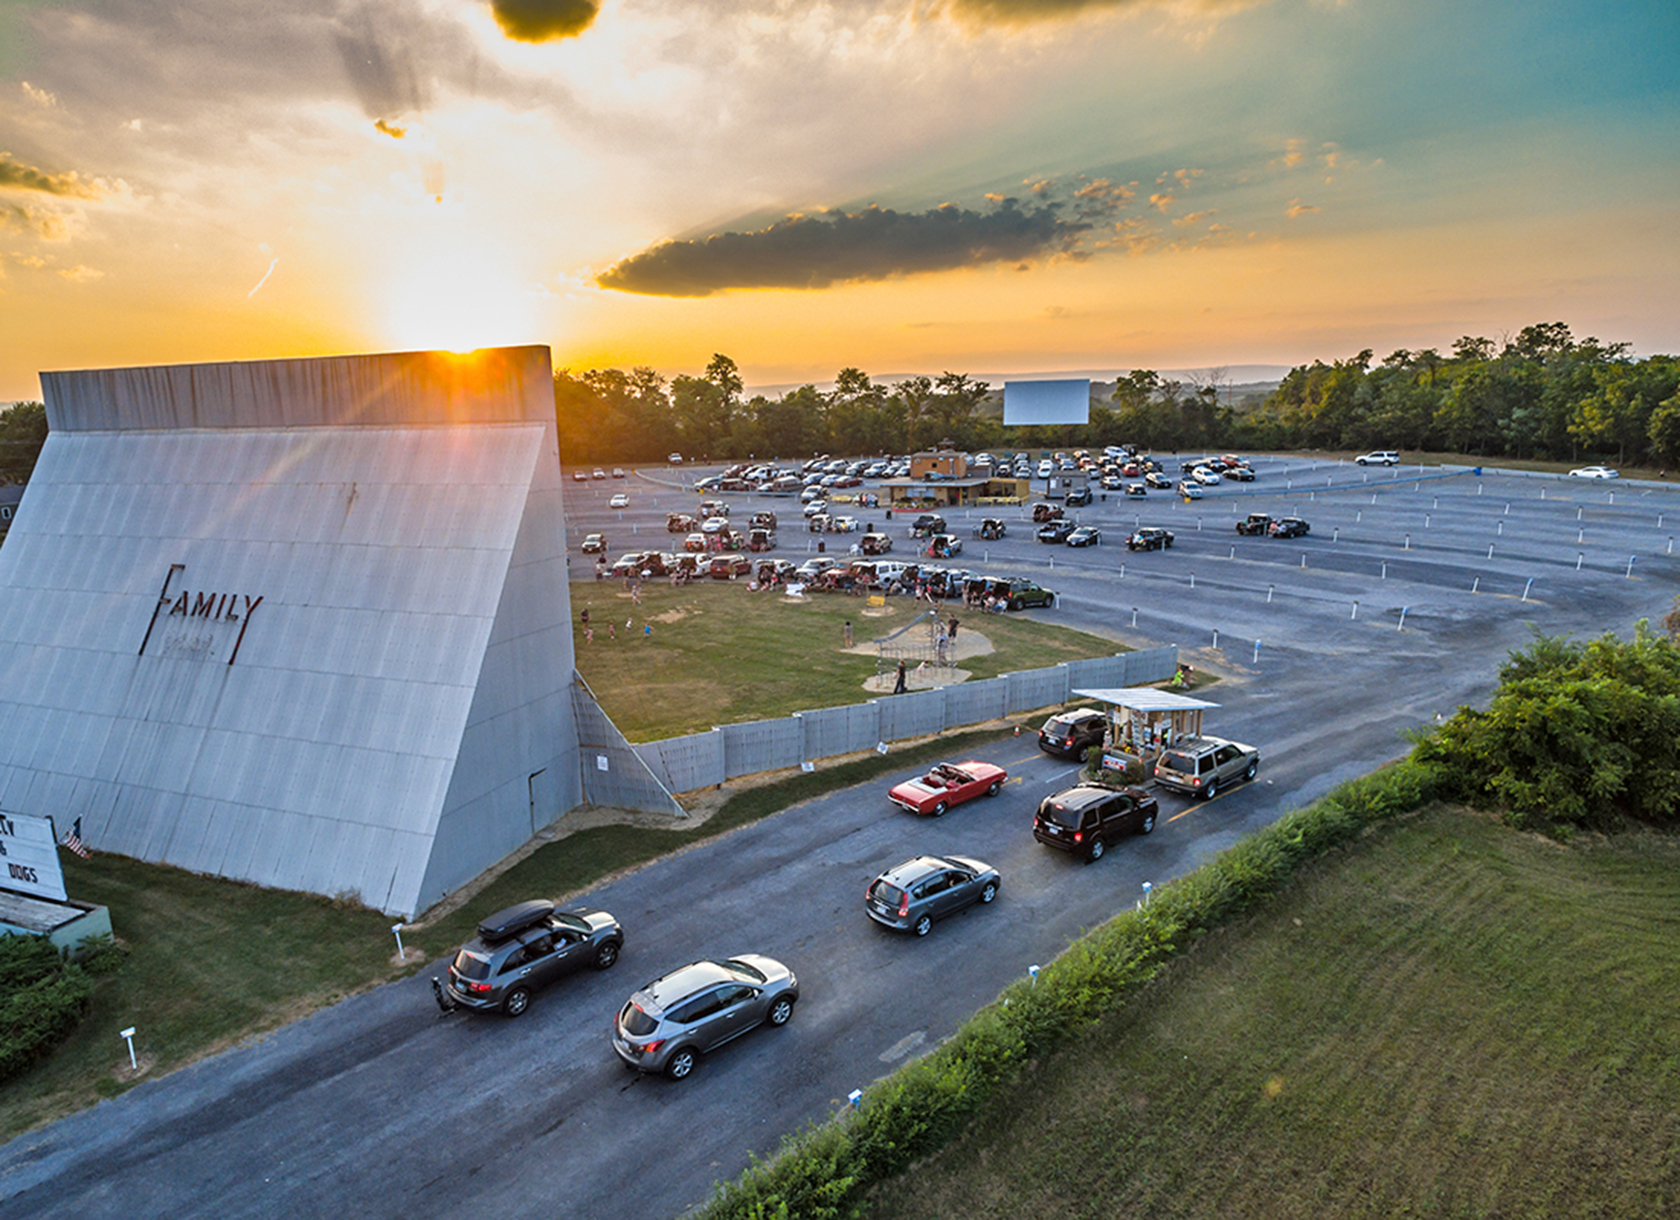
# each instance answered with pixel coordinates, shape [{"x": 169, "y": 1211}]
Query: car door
[
  {"x": 959, "y": 890},
  {"x": 1109, "y": 817},
  {"x": 931, "y": 897},
  {"x": 732, "y": 1010},
  {"x": 1227, "y": 763}
]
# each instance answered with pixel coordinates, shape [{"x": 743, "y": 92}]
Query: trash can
[{"x": 821, "y": 546}]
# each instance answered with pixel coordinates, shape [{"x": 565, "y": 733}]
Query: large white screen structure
[{"x": 1047, "y": 402}]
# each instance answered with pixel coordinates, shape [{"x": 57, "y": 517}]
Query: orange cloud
[
  {"x": 1298, "y": 209},
  {"x": 22, "y": 177}
]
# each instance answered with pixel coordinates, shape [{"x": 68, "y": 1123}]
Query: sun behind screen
[{"x": 459, "y": 300}]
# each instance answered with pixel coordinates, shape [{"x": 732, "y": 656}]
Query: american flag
[{"x": 73, "y": 840}]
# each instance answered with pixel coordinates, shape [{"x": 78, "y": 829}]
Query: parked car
[
  {"x": 1290, "y": 527},
  {"x": 762, "y": 520},
  {"x": 926, "y": 525},
  {"x": 1085, "y": 535},
  {"x": 1070, "y": 734},
  {"x": 597, "y": 473},
  {"x": 815, "y": 508},
  {"x": 1379, "y": 457},
  {"x": 594, "y": 544},
  {"x": 714, "y": 525},
  {"x": 617, "y": 472},
  {"x": 1085, "y": 818},
  {"x": 1242, "y": 474},
  {"x": 1256, "y": 523},
  {"x": 991, "y": 529},
  {"x": 694, "y": 542},
  {"x": 1046, "y": 512},
  {"x": 675, "y": 459},
  {"x": 1136, "y": 489},
  {"x": 1078, "y": 497},
  {"x": 1594, "y": 472},
  {"x": 946, "y": 785},
  {"x": 1055, "y": 531},
  {"x": 728, "y": 567},
  {"x": 1199, "y": 765},
  {"x": 875, "y": 544},
  {"x": 1158, "y": 481},
  {"x": 579, "y": 477},
  {"x": 1189, "y": 489},
  {"x": 712, "y": 508},
  {"x": 681, "y": 523},
  {"x": 524, "y": 947},
  {"x": 1149, "y": 538},
  {"x": 619, "y": 501},
  {"x": 761, "y": 540},
  {"x": 943, "y": 546},
  {"x": 1207, "y": 476},
  {"x": 1019, "y": 594},
  {"x": 815, "y": 567},
  {"x": 667, "y": 1024},
  {"x": 910, "y": 896},
  {"x": 843, "y": 525}
]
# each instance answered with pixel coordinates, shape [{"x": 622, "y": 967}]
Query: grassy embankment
[
  {"x": 213, "y": 962},
  {"x": 1447, "y": 1018}
]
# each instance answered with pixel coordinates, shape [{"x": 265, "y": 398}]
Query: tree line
[{"x": 1543, "y": 394}]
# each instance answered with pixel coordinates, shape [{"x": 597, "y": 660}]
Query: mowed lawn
[
  {"x": 1450, "y": 1019},
  {"x": 720, "y": 654}
]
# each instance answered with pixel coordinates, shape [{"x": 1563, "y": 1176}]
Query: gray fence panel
[
  {"x": 1150, "y": 665},
  {"x": 762, "y": 745},
  {"x": 628, "y": 782},
  {"x": 840, "y": 730},
  {"x": 694, "y": 761},
  {"x": 1038, "y": 688},
  {"x": 976, "y": 702},
  {"x": 1098, "y": 672},
  {"x": 912, "y": 714}
]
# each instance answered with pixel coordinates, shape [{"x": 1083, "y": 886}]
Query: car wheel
[
  {"x": 1252, "y": 768},
  {"x": 1095, "y": 851},
  {"x": 923, "y": 926},
  {"x": 606, "y": 957},
  {"x": 988, "y": 892},
  {"x": 1014, "y": 603},
  {"x": 997, "y": 787},
  {"x": 1167, "y": 543},
  {"x": 1211, "y": 790},
  {"x": 681, "y": 1064},
  {"x": 780, "y": 1011},
  {"x": 1147, "y": 825},
  {"x": 938, "y": 810},
  {"x": 517, "y": 1001}
]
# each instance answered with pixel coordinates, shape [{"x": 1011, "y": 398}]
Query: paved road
[{"x": 381, "y": 1107}]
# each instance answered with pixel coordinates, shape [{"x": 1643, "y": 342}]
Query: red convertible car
[{"x": 946, "y": 785}]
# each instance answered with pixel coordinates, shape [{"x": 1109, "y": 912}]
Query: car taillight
[
  {"x": 478, "y": 987},
  {"x": 1068, "y": 742},
  {"x": 651, "y": 1047},
  {"x": 1079, "y": 836},
  {"x": 904, "y": 905},
  {"x": 1195, "y": 780}
]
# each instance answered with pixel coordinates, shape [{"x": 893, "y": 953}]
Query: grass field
[
  {"x": 1451, "y": 1019},
  {"x": 721, "y": 655},
  {"x": 212, "y": 962}
]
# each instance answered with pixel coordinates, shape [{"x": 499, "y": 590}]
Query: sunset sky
[{"x": 905, "y": 186}]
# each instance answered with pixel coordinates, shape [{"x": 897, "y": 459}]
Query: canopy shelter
[{"x": 1144, "y": 721}]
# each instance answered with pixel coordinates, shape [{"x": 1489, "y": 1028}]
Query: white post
[
  {"x": 856, "y": 1095},
  {"x": 1475, "y": 585},
  {"x": 1408, "y": 545},
  {"x": 1355, "y": 613},
  {"x": 1501, "y": 530},
  {"x": 1147, "y": 886},
  {"x": 1216, "y": 637},
  {"x": 1384, "y": 570},
  {"x": 1233, "y": 554},
  {"x": 1490, "y": 550},
  {"x": 127, "y": 1036},
  {"x": 1335, "y": 534},
  {"x": 1303, "y": 559},
  {"x": 1580, "y": 535},
  {"x": 1134, "y": 616},
  {"x": 1402, "y": 625},
  {"x": 1527, "y": 587},
  {"x": 1425, "y": 520},
  {"x": 1579, "y": 556},
  {"x": 1630, "y": 567},
  {"x": 1257, "y": 652},
  {"x": 1192, "y": 580},
  {"x": 1033, "y": 970},
  {"x": 1269, "y": 589},
  {"x": 396, "y": 930}
]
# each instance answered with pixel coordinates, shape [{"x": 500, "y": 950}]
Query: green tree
[{"x": 23, "y": 430}]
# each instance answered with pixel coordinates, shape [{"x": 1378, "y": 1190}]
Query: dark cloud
[
  {"x": 18, "y": 176},
  {"x": 381, "y": 65},
  {"x": 835, "y": 247},
  {"x": 542, "y": 20}
]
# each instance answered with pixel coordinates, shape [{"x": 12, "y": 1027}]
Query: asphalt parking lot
[{"x": 380, "y": 1106}]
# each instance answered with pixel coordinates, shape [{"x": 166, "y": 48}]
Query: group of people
[{"x": 612, "y": 628}]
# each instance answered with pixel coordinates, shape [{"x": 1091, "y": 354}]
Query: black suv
[
  {"x": 1055, "y": 531},
  {"x": 1078, "y": 497},
  {"x": 525, "y": 947},
  {"x": 1149, "y": 538},
  {"x": 1085, "y": 818},
  {"x": 1070, "y": 734}
]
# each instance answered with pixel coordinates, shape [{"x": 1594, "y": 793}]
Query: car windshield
[
  {"x": 886, "y": 892},
  {"x": 1062, "y": 815},
  {"x": 744, "y": 970},
  {"x": 567, "y": 920},
  {"x": 1172, "y": 760},
  {"x": 637, "y": 1023},
  {"x": 471, "y": 966}
]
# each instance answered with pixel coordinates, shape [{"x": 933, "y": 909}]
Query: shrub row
[
  {"x": 825, "y": 1171},
  {"x": 42, "y": 997}
]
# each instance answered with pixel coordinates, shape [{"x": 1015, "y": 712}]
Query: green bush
[
  {"x": 1576, "y": 735},
  {"x": 824, "y": 1172},
  {"x": 42, "y": 997}
]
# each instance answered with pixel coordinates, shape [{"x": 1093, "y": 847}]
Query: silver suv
[
  {"x": 668, "y": 1023},
  {"x": 1378, "y": 457},
  {"x": 522, "y": 948},
  {"x": 1199, "y": 765}
]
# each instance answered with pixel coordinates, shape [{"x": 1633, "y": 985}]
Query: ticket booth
[{"x": 1143, "y": 721}]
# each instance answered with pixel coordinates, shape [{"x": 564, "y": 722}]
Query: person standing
[
  {"x": 951, "y": 630},
  {"x": 848, "y": 633},
  {"x": 898, "y": 688}
]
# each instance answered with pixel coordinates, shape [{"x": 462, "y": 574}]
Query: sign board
[{"x": 29, "y": 857}]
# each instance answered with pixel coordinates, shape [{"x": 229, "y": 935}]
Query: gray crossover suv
[
  {"x": 525, "y": 947},
  {"x": 1200, "y": 765},
  {"x": 669, "y": 1022},
  {"x": 914, "y": 894}
]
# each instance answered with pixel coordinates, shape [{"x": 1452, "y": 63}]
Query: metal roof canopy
[{"x": 1146, "y": 721}]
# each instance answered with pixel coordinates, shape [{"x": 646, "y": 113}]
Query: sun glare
[{"x": 458, "y": 301}]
